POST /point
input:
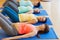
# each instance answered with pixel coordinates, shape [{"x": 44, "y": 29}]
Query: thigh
[
  {"x": 7, "y": 28},
  {"x": 11, "y": 14},
  {"x": 8, "y": 21}
]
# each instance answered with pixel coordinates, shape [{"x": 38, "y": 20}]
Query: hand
[
  {"x": 8, "y": 39},
  {"x": 5, "y": 39}
]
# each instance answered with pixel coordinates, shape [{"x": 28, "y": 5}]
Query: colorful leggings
[{"x": 6, "y": 25}]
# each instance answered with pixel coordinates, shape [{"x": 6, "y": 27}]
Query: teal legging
[
  {"x": 6, "y": 25},
  {"x": 11, "y": 14}
]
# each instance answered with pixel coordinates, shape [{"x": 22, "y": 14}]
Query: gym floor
[{"x": 53, "y": 9}]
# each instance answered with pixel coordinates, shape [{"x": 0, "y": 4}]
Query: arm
[
  {"x": 33, "y": 21},
  {"x": 30, "y": 12},
  {"x": 31, "y": 34}
]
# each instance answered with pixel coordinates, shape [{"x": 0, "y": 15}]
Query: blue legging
[{"x": 11, "y": 14}]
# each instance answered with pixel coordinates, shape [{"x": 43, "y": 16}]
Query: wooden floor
[{"x": 1, "y": 3}]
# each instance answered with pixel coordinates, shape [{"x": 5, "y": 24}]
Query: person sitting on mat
[
  {"x": 31, "y": 18},
  {"x": 21, "y": 30}
]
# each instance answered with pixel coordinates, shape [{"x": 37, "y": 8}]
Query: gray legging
[
  {"x": 12, "y": 5},
  {"x": 8, "y": 21},
  {"x": 6, "y": 25},
  {"x": 14, "y": 1}
]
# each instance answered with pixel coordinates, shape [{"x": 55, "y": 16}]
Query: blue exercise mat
[
  {"x": 48, "y": 22},
  {"x": 50, "y": 35},
  {"x": 42, "y": 13}
]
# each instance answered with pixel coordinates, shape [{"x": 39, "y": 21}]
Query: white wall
[
  {"x": 53, "y": 9},
  {"x": 55, "y": 15}
]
